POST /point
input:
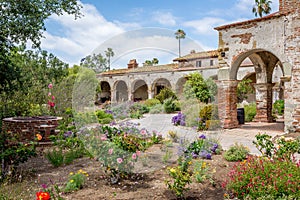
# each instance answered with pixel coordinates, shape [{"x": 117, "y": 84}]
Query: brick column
[
  {"x": 264, "y": 102},
  {"x": 227, "y": 100}
]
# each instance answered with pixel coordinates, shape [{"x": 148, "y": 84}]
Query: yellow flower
[
  {"x": 172, "y": 170},
  {"x": 71, "y": 181},
  {"x": 71, "y": 173},
  {"x": 203, "y": 165}
]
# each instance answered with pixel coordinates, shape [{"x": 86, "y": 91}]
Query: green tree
[
  {"x": 261, "y": 7},
  {"x": 109, "y": 53},
  {"x": 98, "y": 63},
  {"x": 23, "y": 21},
  {"x": 196, "y": 87},
  {"x": 180, "y": 34},
  {"x": 152, "y": 62},
  {"x": 155, "y": 61},
  {"x": 243, "y": 89}
]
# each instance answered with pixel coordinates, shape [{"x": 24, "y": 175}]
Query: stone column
[
  {"x": 113, "y": 96},
  {"x": 227, "y": 100},
  {"x": 150, "y": 93},
  {"x": 264, "y": 102}
]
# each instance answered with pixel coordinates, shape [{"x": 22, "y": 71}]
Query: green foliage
[
  {"x": 192, "y": 107},
  {"x": 158, "y": 108},
  {"x": 55, "y": 157},
  {"x": 170, "y": 105},
  {"x": 237, "y": 152},
  {"x": 212, "y": 88},
  {"x": 196, "y": 87},
  {"x": 261, "y": 7},
  {"x": 284, "y": 149},
  {"x": 212, "y": 124},
  {"x": 98, "y": 63},
  {"x": 180, "y": 176},
  {"x": 243, "y": 89},
  {"x": 104, "y": 117},
  {"x": 275, "y": 175},
  {"x": 250, "y": 112},
  {"x": 12, "y": 153},
  {"x": 201, "y": 171},
  {"x": 278, "y": 107},
  {"x": 166, "y": 93},
  {"x": 76, "y": 181},
  {"x": 138, "y": 107},
  {"x": 151, "y": 102},
  {"x": 258, "y": 177}
]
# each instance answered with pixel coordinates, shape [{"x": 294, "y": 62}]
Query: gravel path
[{"x": 245, "y": 134}]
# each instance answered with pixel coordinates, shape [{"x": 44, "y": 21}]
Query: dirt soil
[{"x": 148, "y": 181}]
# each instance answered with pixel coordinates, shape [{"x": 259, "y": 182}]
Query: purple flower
[
  {"x": 194, "y": 155},
  {"x": 44, "y": 186},
  {"x": 208, "y": 156},
  {"x": 68, "y": 134},
  {"x": 202, "y": 136}
]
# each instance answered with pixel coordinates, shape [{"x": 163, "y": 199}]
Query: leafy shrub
[
  {"x": 55, "y": 157},
  {"x": 151, "y": 102},
  {"x": 164, "y": 94},
  {"x": 212, "y": 124},
  {"x": 208, "y": 112},
  {"x": 278, "y": 107},
  {"x": 104, "y": 116},
  {"x": 170, "y": 105},
  {"x": 250, "y": 112},
  {"x": 201, "y": 171},
  {"x": 76, "y": 181},
  {"x": 257, "y": 177},
  {"x": 138, "y": 107},
  {"x": 180, "y": 176},
  {"x": 12, "y": 153},
  {"x": 237, "y": 152},
  {"x": 158, "y": 108}
]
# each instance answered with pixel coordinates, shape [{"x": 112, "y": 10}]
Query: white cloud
[
  {"x": 164, "y": 18},
  {"x": 80, "y": 36},
  {"x": 205, "y": 25}
]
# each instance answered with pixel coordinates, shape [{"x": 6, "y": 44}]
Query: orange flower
[
  {"x": 42, "y": 195},
  {"x": 39, "y": 137}
]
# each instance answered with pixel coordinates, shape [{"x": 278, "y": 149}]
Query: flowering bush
[
  {"x": 237, "y": 152},
  {"x": 284, "y": 149},
  {"x": 179, "y": 119},
  {"x": 260, "y": 176},
  {"x": 118, "y": 148},
  {"x": 201, "y": 171},
  {"x": 51, "y": 98},
  {"x": 180, "y": 175},
  {"x": 275, "y": 175},
  {"x": 203, "y": 147},
  {"x": 76, "y": 181}
]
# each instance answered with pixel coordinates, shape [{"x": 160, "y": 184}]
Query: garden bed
[{"x": 147, "y": 183}]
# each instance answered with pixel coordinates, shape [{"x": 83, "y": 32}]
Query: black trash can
[{"x": 241, "y": 115}]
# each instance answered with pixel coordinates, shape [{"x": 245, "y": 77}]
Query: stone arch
[
  {"x": 264, "y": 63},
  {"x": 121, "y": 91},
  {"x": 179, "y": 85},
  {"x": 105, "y": 94},
  {"x": 160, "y": 84},
  {"x": 139, "y": 90}
]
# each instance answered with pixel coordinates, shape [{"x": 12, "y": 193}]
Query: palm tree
[
  {"x": 109, "y": 53},
  {"x": 180, "y": 34},
  {"x": 261, "y": 7}
]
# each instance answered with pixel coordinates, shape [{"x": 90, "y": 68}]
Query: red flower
[
  {"x": 51, "y": 104},
  {"x": 42, "y": 195}
]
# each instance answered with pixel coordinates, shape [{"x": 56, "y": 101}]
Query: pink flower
[
  {"x": 138, "y": 153},
  {"x": 103, "y": 138},
  {"x": 49, "y": 94},
  {"x": 53, "y": 97},
  {"x": 51, "y": 104},
  {"x": 110, "y": 151},
  {"x": 133, "y": 156},
  {"x": 143, "y": 132},
  {"x": 119, "y": 160},
  {"x": 50, "y": 86}
]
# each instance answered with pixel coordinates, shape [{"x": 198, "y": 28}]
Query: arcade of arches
[{"x": 271, "y": 43}]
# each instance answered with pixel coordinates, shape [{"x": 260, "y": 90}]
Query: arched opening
[
  {"x": 160, "y": 84},
  {"x": 264, "y": 62},
  {"x": 180, "y": 85},
  {"x": 140, "y": 90},
  {"x": 105, "y": 94},
  {"x": 121, "y": 91}
]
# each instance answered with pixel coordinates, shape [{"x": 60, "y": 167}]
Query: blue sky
[{"x": 142, "y": 29}]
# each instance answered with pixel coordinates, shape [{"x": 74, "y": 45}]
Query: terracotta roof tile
[{"x": 203, "y": 54}]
